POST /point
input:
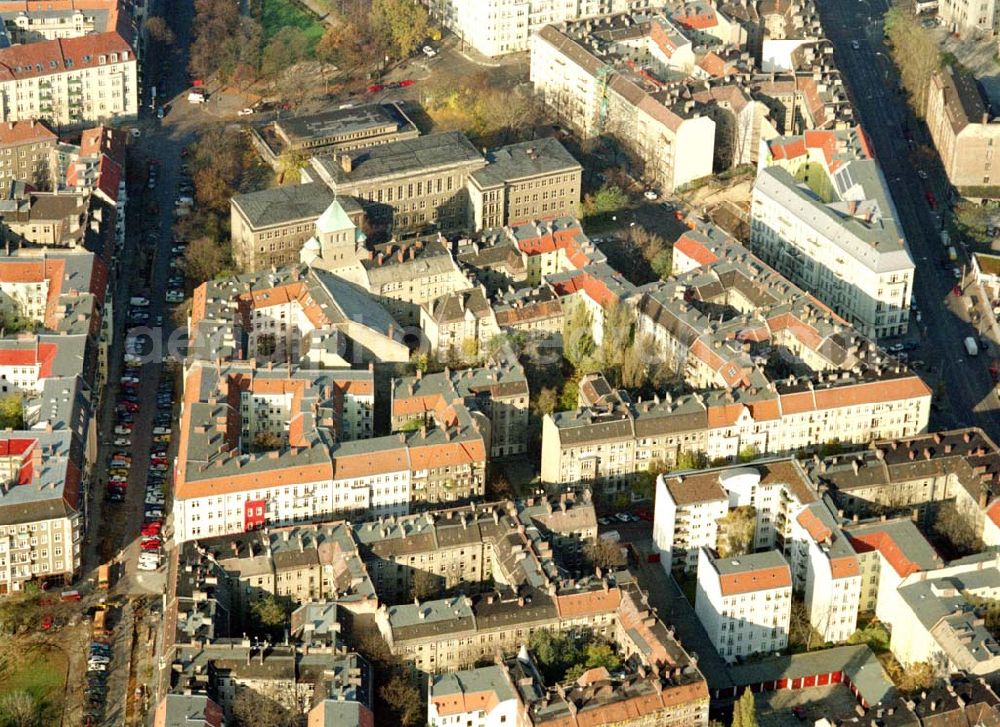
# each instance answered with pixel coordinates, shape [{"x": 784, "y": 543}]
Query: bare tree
[
  {"x": 736, "y": 531},
  {"x": 916, "y": 54},
  {"x": 603, "y": 553}
]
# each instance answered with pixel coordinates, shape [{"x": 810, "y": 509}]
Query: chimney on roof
[{"x": 346, "y": 163}]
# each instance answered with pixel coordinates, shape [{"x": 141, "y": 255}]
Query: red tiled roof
[
  {"x": 48, "y": 57},
  {"x": 464, "y": 702},
  {"x": 884, "y": 544},
  {"x": 695, "y": 250},
  {"x": 109, "y": 177},
  {"x": 813, "y": 525},
  {"x": 13, "y": 133},
  {"x": 43, "y": 355},
  {"x": 845, "y": 567},
  {"x": 698, "y": 20},
  {"x": 993, "y": 513},
  {"x": 755, "y": 580}
]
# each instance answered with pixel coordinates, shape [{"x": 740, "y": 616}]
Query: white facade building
[
  {"x": 498, "y": 27},
  {"x": 822, "y": 216},
  {"x": 483, "y": 697},
  {"x": 70, "y": 82},
  {"x": 744, "y": 602},
  {"x": 685, "y": 519},
  {"x": 675, "y": 142}
]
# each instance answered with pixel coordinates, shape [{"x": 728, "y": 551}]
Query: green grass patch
[
  {"x": 40, "y": 671},
  {"x": 278, "y": 14},
  {"x": 874, "y": 634},
  {"x": 688, "y": 583}
]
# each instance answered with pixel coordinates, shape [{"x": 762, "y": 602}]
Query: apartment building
[
  {"x": 268, "y": 228},
  {"x": 915, "y": 474},
  {"x": 963, "y": 130},
  {"x": 533, "y": 180},
  {"x": 26, "y": 153},
  {"x": 789, "y": 517},
  {"x": 580, "y": 72},
  {"x": 687, "y": 510},
  {"x": 407, "y": 277},
  {"x": 498, "y": 390},
  {"x": 499, "y": 27},
  {"x": 888, "y": 551},
  {"x": 823, "y": 217},
  {"x": 535, "y": 312},
  {"x": 833, "y": 573},
  {"x": 41, "y": 509},
  {"x": 496, "y": 262},
  {"x": 333, "y": 131},
  {"x": 512, "y": 692},
  {"x": 414, "y": 185},
  {"x": 716, "y": 321},
  {"x": 790, "y": 32},
  {"x": 97, "y": 165},
  {"x": 297, "y": 680},
  {"x": 279, "y": 458},
  {"x": 70, "y": 82},
  {"x": 485, "y": 696},
  {"x": 459, "y": 325},
  {"x": 472, "y": 548},
  {"x": 30, "y": 24},
  {"x": 965, "y": 17},
  {"x": 188, "y": 710},
  {"x": 935, "y": 617},
  {"x": 744, "y": 602},
  {"x": 298, "y": 314}
]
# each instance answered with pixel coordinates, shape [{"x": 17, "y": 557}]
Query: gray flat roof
[
  {"x": 527, "y": 159},
  {"x": 343, "y": 121},
  {"x": 400, "y": 158}
]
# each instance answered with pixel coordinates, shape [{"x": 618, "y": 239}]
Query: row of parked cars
[
  {"x": 98, "y": 661},
  {"x": 151, "y": 540},
  {"x": 182, "y": 207},
  {"x": 120, "y": 460}
]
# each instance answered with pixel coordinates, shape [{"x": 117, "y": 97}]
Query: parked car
[{"x": 428, "y": 51}]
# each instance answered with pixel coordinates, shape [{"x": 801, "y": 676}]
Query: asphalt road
[{"x": 965, "y": 382}]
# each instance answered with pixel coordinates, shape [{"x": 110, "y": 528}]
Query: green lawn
[
  {"x": 40, "y": 672},
  {"x": 278, "y": 14}
]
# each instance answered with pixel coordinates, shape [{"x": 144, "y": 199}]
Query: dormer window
[
  {"x": 53, "y": 64},
  {"x": 86, "y": 59},
  {"x": 114, "y": 57},
  {"x": 102, "y": 59}
]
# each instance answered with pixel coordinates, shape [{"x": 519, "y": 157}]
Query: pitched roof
[
  {"x": 753, "y": 572},
  {"x": 13, "y": 133},
  {"x": 281, "y": 205},
  {"x": 48, "y": 57}
]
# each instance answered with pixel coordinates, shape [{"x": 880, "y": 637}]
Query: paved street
[{"x": 964, "y": 382}]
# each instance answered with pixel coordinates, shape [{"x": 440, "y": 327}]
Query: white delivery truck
[{"x": 971, "y": 347}]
